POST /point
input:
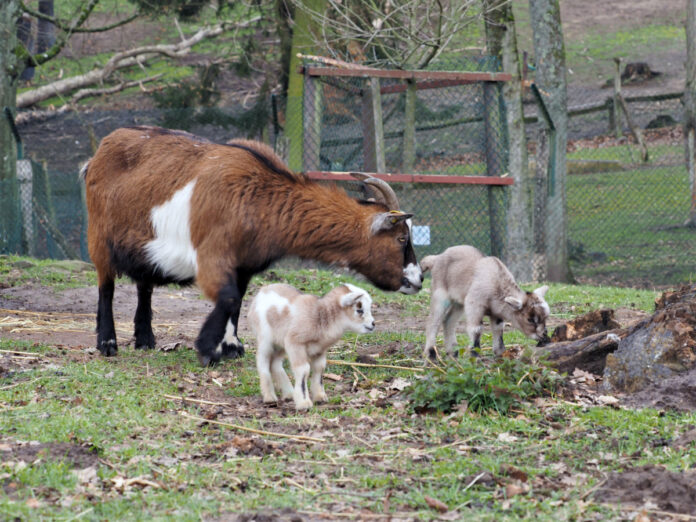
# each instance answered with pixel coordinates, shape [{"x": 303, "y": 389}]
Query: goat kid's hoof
[
  {"x": 303, "y": 405},
  {"x": 108, "y": 348},
  {"x": 320, "y": 398},
  {"x": 431, "y": 353}
]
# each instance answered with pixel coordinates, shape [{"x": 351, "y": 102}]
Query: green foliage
[
  {"x": 180, "y": 8},
  {"x": 498, "y": 388}
]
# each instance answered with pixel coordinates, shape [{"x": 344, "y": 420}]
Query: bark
[
  {"x": 9, "y": 10},
  {"x": 501, "y": 40},
  {"x": 690, "y": 102},
  {"x": 545, "y": 18},
  {"x": 588, "y": 354}
]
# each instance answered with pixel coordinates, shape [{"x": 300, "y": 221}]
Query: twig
[
  {"x": 19, "y": 384},
  {"x": 17, "y": 352},
  {"x": 366, "y": 365},
  {"x": 197, "y": 401},
  {"x": 593, "y": 489},
  {"x": 476, "y": 478},
  {"x": 252, "y": 430},
  {"x": 355, "y": 369}
]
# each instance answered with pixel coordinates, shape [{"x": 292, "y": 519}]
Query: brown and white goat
[
  {"x": 302, "y": 327},
  {"x": 463, "y": 279},
  {"x": 169, "y": 207}
]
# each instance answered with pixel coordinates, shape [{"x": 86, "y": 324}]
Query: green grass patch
[{"x": 60, "y": 274}]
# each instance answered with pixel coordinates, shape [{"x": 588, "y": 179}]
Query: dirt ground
[{"x": 67, "y": 318}]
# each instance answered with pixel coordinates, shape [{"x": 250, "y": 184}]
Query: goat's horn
[{"x": 388, "y": 196}]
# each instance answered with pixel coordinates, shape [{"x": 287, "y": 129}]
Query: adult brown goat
[{"x": 168, "y": 207}]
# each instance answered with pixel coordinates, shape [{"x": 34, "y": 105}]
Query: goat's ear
[
  {"x": 350, "y": 299},
  {"x": 387, "y": 220},
  {"x": 541, "y": 291},
  {"x": 514, "y": 302}
]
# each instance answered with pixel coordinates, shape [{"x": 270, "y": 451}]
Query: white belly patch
[{"x": 171, "y": 250}]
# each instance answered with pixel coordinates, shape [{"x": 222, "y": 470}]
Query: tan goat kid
[
  {"x": 464, "y": 279},
  {"x": 302, "y": 327}
]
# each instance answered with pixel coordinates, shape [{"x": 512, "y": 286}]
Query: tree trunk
[
  {"x": 545, "y": 17},
  {"x": 501, "y": 41},
  {"x": 9, "y": 215},
  {"x": 302, "y": 42},
  {"x": 690, "y": 102}
]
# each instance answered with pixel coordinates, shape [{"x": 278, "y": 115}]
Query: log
[{"x": 588, "y": 354}]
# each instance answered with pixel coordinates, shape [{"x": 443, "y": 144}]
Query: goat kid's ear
[
  {"x": 388, "y": 220},
  {"x": 514, "y": 302},
  {"x": 541, "y": 291},
  {"x": 350, "y": 299}
]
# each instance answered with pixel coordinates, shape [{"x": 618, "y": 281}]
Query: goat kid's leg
[
  {"x": 450, "y": 325},
  {"x": 264, "y": 356},
  {"x": 300, "y": 370},
  {"x": 497, "y": 326},
  {"x": 144, "y": 338},
  {"x": 281, "y": 379},
  {"x": 317, "y": 391},
  {"x": 438, "y": 308},
  {"x": 106, "y": 332},
  {"x": 232, "y": 346},
  {"x": 209, "y": 341}
]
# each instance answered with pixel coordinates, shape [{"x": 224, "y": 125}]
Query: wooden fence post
[
  {"x": 494, "y": 146},
  {"x": 615, "y": 100},
  {"x": 373, "y": 131},
  {"x": 26, "y": 193}
]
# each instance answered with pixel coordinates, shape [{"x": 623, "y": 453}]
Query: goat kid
[
  {"x": 168, "y": 207},
  {"x": 463, "y": 279},
  {"x": 302, "y": 327}
]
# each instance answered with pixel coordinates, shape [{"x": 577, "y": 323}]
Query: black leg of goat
[
  {"x": 209, "y": 342},
  {"x": 235, "y": 348},
  {"x": 106, "y": 332},
  {"x": 144, "y": 338}
]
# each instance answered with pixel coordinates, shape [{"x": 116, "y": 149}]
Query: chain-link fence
[
  {"x": 626, "y": 213},
  {"x": 627, "y": 202},
  {"x": 441, "y": 137}
]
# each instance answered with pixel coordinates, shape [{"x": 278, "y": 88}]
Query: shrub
[{"x": 497, "y": 387}]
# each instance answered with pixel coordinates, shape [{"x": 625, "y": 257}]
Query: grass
[
  {"x": 377, "y": 457},
  {"x": 18, "y": 270}
]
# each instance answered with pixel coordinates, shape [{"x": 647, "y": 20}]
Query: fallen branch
[
  {"x": 17, "y": 352},
  {"x": 252, "y": 430},
  {"x": 366, "y": 365},
  {"x": 195, "y": 401}
]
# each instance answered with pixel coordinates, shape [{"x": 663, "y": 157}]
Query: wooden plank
[
  {"x": 415, "y": 178},
  {"x": 430, "y": 84},
  {"x": 408, "y": 75}
]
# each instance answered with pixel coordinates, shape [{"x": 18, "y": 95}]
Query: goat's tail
[
  {"x": 427, "y": 263},
  {"x": 83, "y": 171}
]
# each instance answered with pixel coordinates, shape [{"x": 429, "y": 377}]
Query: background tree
[
  {"x": 401, "y": 34},
  {"x": 690, "y": 104},
  {"x": 549, "y": 52}
]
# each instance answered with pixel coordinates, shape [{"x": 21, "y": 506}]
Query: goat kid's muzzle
[{"x": 412, "y": 281}]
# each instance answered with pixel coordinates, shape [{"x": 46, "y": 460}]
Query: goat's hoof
[
  {"x": 208, "y": 359},
  {"x": 108, "y": 348},
  {"x": 303, "y": 405},
  {"x": 320, "y": 398},
  {"x": 232, "y": 351},
  {"x": 145, "y": 342},
  {"x": 431, "y": 353},
  {"x": 475, "y": 353}
]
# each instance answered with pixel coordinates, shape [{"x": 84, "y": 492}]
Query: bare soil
[{"x": 670, "y": 491}]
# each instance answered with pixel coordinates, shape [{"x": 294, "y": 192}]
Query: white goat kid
[
  {"x": 302, "y": 327},
  {"x": 464, "y": 279}
]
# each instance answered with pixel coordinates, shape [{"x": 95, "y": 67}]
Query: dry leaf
[
  {"x": 33, "y": 503},
  {"x": 507, "y": 437},
  {"x": 513, "y": 472},
  {"x": 515, "y": 489},
  {"x": 436, "y": 504},
  {"x": 333, "y": 377},
  {"x": 608, "y": 400},
  {"x": 399, "y": 384}
]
